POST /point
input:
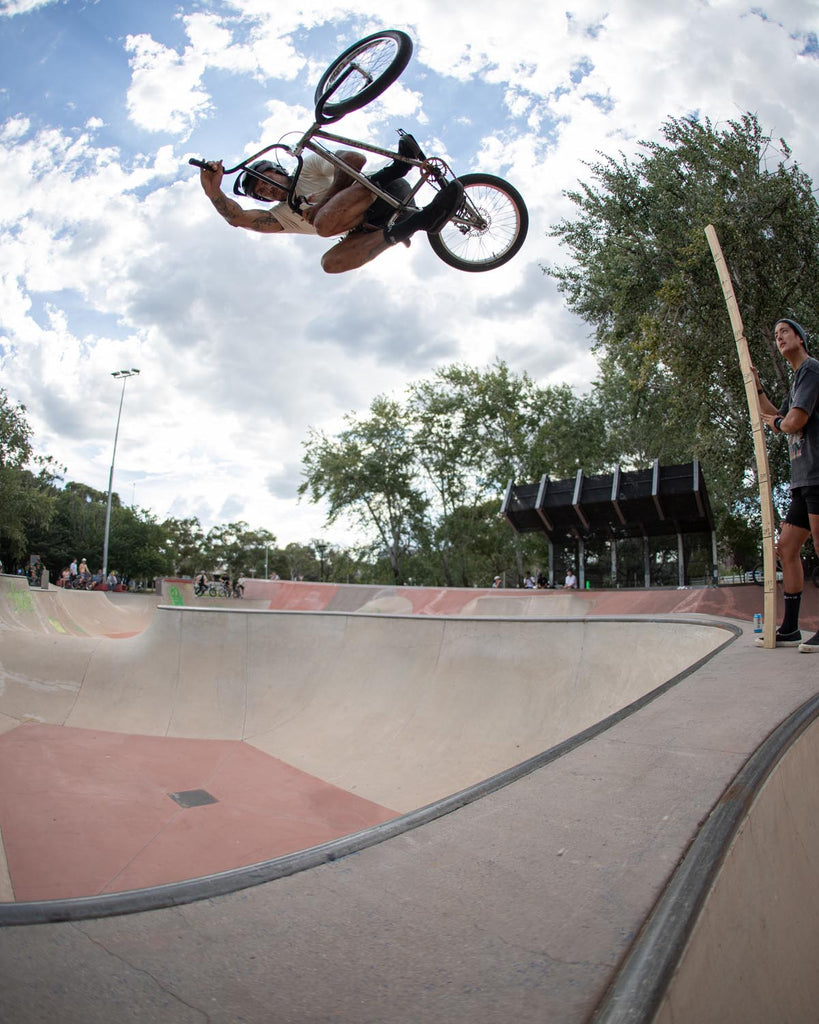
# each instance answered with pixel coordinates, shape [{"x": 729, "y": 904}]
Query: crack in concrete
[{"x": 144, "y": 972}]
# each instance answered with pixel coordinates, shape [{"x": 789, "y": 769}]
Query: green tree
[
  {"x": 135, "y": 544},
  {"x": 448, "y": 457},
  {"x": 643, "y": 276},
  {"x": 368, "y": 474},
  {"x": 300, "y": 561},
  {"x": 26, "y": 498},
  {"x": 476, "y": 429},
  {"x": 78, "y": 527},
  {"x": 181, "y": 546},
  {"x": 236, "y": 549}
]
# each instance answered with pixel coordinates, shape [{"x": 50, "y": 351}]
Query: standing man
[{"x": 798, "y": 419}]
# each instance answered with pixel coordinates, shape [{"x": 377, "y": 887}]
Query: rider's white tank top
[{"x": 316, "y": 176}]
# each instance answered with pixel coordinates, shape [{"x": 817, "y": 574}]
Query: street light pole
[
  {"x": 122, "y": 375},
  {"x": 321, "y": 547}
]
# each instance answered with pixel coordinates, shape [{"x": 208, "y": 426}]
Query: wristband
[
  {"x": 760, "y": 391},
  {"x": 778, "y": 424}
]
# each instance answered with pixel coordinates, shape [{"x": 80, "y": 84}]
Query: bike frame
[{"x": 432, "y": 170}]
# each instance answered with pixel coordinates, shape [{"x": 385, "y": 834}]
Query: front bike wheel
[
  {"x": 489, "y": 228},
  {"x": 361, "y": 73}
]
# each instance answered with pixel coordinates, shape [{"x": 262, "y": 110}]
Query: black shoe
[
  {"x": 408, "y": 147},
  {"x": 793, "y": 639},
  {"x": 810, "y": 646},
  {"x": 442, "y": 208},
  {"x": 433, "y": 217}
]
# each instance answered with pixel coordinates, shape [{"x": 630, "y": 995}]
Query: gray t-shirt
[{"x": 803, "y": 446}]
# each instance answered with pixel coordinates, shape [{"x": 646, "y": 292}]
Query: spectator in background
[{"x": 571, "y": 580}]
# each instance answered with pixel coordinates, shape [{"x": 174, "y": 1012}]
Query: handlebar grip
[{"x": 198, "y": 163}]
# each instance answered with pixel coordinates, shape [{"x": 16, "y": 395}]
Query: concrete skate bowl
[
  {"x": 733, "y": 936},
  {"x": 314, "y": 734}
]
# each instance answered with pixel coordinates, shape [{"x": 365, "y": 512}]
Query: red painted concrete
[
  {"x": 86, "y": 812},
  {"x": 737, "y": 602}
]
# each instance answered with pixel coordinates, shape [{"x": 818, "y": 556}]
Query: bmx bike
[
  {"x": 491, "y": 224},
  {"x": 810, "y": 570},
  {"x": 218, "y": 588}
]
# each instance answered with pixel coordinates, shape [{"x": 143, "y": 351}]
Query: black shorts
[
  {"x": 378, "y": 215},
  {"x": 804, "y": 502}
]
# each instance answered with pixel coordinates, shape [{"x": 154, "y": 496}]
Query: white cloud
[
  {"x": 112, "y": 256},
  {"x": 8, "y": 8}
]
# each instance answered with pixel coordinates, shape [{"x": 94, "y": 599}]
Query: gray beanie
[{"x": 800, "y": 330}]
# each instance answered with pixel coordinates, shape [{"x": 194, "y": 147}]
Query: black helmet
[{"x": 245, "y": 184}]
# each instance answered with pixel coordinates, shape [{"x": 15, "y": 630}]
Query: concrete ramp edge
[
  {"x": 640, "y": 985},
  {"x": 210, "y": 886}
]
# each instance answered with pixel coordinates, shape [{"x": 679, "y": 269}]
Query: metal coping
[{"x": 643, "y": 978}]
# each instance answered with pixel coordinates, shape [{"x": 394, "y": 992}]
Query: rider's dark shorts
[
  {"x": 380, "y": 212},
  {"x": 804, "y": 502}
]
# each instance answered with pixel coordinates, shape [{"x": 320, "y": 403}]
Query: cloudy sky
[{"x": 112, "y": 257}]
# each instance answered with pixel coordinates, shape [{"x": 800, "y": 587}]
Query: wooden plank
[{"x": 760, "y": 447}]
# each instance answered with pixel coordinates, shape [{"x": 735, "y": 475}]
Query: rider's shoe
[
  {"x": 408, "y": 147},
  {"x": 432, "y": 218}
]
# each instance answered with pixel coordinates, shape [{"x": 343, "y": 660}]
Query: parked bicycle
[
  {"x": 212, "y": 588},
  {"x": 487, "y": 229},
  {"x": 810, "y": 568}
]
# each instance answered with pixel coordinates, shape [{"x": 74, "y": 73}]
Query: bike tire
[
  {"x": 361, "y": 73},
  {"x": 504, "y": 223}
]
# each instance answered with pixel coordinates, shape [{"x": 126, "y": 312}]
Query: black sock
[
  {"x": 790, "y": 621},
  {"x": 402, "y": 230},
  {"x": 392, "y": 172}
]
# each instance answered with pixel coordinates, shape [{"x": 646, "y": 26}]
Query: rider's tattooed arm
[
  {"x": 210, "y": 177},
  {"x": 236, "y": 216}
]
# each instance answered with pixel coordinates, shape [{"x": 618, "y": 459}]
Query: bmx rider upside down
[{"x": 334, "y": 204}]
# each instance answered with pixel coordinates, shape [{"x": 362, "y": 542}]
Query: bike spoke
[
  {"x": 487, "y": 236},
  {"x": 360, "y": 73}
]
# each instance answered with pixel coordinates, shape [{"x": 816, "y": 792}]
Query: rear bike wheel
[
  {"x": 488, "y": 229},
  {"x": 758, "y": 574},
  {"x": 361, "y": 73}
]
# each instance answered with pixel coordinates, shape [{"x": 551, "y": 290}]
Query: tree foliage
[
  {"x": 367, "y": 473},
  {"x": 642, "y": 274},
  {"x": 427, "y": 475},
  {"x": 25, "y": 497}
]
